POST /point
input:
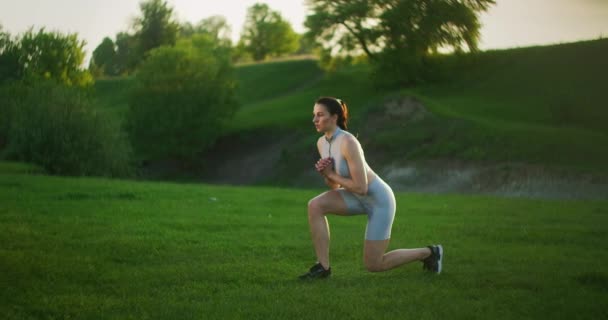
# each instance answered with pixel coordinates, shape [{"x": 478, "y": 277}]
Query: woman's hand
[
  {"x": 324, "y": 164},
  {"x": 324, "y": 167},
  {"x": 327, "y": 170}
]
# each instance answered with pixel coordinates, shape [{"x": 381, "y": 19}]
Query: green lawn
[{"x": 84, "y": 248}]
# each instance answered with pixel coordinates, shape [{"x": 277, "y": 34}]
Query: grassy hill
[
  {"x": 539, "y": 105},
  {"x": 260, "y": 81},
  {"x": 87, "y": 248},
  {"x": 532, "y": 102},
  {"x": 558, "y": 85}
]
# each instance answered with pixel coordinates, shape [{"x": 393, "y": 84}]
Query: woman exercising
[{"x": 355, "y": 189}]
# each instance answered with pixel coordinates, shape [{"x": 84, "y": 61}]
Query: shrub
[
  {"x": 55, "y": 126},
  {"x": 182, "y": 99},
  {"x": 43, "y": 55}
]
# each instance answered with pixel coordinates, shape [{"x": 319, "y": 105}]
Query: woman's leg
[
  {"x": 379, "y": 224},
  {"x": 377, "y": 260},
  {"x": 330, "y": 202}
]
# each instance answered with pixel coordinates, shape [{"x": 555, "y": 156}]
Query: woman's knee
[
  {"x": 374, "y": 265},
  {"x": 315, "y": 206},
  {"x": 374, "y": 255}
]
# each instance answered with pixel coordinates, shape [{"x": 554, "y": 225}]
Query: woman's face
[{"x": 322, "y": 119}]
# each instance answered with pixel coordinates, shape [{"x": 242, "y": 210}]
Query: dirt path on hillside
[
  {"x": 251, "y": 159},
  {"x": 501, "y": 179},
  {"x": 245, "y": 160},
  {"x": 249, "y": 162}
]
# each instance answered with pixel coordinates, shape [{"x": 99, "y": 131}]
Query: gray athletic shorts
[{"x": 378, "y": 204}]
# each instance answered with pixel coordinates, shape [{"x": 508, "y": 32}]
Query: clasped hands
[{"x": 325, "y": 166}]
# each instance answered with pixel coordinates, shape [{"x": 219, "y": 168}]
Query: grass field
[
  {"x": 87, "y": 248},
  {"x": 84, "y": 248}
]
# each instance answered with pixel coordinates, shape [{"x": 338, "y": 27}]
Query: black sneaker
[
  {"x": 316, "y": 272},
  {"x": 434, "y": 262}
]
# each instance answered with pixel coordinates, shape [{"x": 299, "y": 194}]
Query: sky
[{"x": 510, "y": 23}]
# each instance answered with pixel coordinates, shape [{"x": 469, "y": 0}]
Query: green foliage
[
  {"x": 104, "y": 57},
  {"x": 216, "y": 27},
  {"x": 9, "y": 167},
  {"x": 183, "y": 97},
  {"x": 112, "y": 95},
  {"x": 51, "y": 55},
  {"x": 396, "y": 35},
  {"x": 241, "y": 54},
  {"x": 306, "y": 44},
  {"x": 156, "y": 26},
  {"x": 266, "y": 33},
  {"x": 6, "y": 114},
  {"x": 43, "y": 55},
  {"x": 81, "y": 248},
  {"x": 32, "y": 57},
  {"x": 10, "y": 67},
  {"x": 128, "y": 53},
  {"x": 56, "y": 127}
]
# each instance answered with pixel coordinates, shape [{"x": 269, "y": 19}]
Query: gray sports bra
[{"x": 331, "y": 148}]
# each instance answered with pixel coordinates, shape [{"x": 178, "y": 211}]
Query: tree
[
  {"x": 215, "y": 26},
  {"x": 42, "y": 54},
  {"x": 307, "y": 44},
  {"x": 10, "y": 67},
  {"x": 104, "y": 57},
  {"x": 266, "y": 33},
  {"x": 396, "y": 34},
  {"x": 57, "y": 127},
  {"x": 183, "y": 98},
  {"x": 127, "y": 53},
  {"x": 10, "y": 70},
  {"x": 156, "y": 26}
]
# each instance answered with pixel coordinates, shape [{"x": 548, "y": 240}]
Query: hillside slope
[{"x": 540, "y": 107}]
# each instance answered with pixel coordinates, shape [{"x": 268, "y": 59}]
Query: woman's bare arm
[{"x": 332, "y": 185}]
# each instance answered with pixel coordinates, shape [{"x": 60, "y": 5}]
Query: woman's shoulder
[
  {"x": 349, "y": 136},
  {"x": 349, "y": 139}
]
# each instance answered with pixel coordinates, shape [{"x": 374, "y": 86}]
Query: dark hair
[{"x": 336, "y": 106}]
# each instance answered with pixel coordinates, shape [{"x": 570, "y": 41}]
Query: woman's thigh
[{"x": 329, "y": 202}]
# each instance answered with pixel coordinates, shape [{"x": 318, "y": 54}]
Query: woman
[{"x": 355, "y": 189}]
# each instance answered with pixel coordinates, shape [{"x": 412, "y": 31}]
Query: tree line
[
  {"x": 184, "y": 89},
  {"x": 265, "y": 34}
]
